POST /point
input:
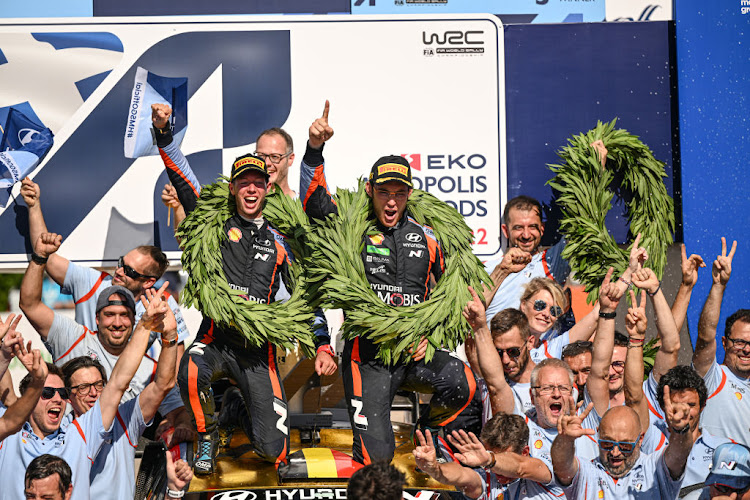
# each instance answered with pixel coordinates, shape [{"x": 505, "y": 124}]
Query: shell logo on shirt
[
  {"x": 538, "y": 444},
  {"x": 601, "y": 494},
  {"x": 738, "y": 396},
  {"x": 377, "y": 239},
  {"x": 501, "y": 496},
  {"x": 234, "y": 234}
]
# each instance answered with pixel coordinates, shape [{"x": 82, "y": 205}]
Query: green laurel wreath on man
[
  {"x": 284, "y": 324},
  {"x": 582, "y": 183},
  {"x": 337, "y": 278}
]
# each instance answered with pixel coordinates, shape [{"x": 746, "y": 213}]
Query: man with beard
[
  {"x": 403, "y": 258},
  {"x": 578, "y": 357},
  {"x": 728, "y": 408},
  {"x": 621, "y": 470}
]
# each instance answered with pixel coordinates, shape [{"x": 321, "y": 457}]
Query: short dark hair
[
  {"x": 25, "y": 381},
  {"x": 680, "y": 378},
  {"x": 505, "y": 430},
  {"x": 577, "y": 348},
  {"x": 76, "y": 364},
  {"x": 160, "y": 260},
  {"x": 377, "y": 481},
  {"x": 621, "y": 340},
  {"x": 741, "y": 315},
  {"x": 522, "y": 202},
  {"x": 506, "y": 319},
  {"x": 280, "y": 132},
  {"x": 46, "y": 465}
]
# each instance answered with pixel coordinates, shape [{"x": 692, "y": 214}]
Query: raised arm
[
  {"x": 452, "y": 473},
  {"x": 172, "y": 202},
  {"x": 313, "y": 187},
  {"x": 472, "y": 453},
  {"x": 584, "y": 329},
  {"x": 501, "y": 395},
  {"x": 569, "y": 428},
  {"x": 690, "y": 266},
  {"x": 178, "y": 169},
  {"x": 705, "y": 346},
  {"x": 514, "y": 261},
  {"x": 39, "y": 315},
  {"x": 128, "y": 362},
  {"x": 680, "y": 437},
  {"x": 636, "y": 324},
  {"x": 166, "y": 376},
  {"x": 669, "y": 335},
  {"x": 604, "y": 344},
  {"x": 57, "y": 266},
  {"x": 14, "y": 417}
]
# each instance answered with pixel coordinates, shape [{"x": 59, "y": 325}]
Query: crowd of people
[{"x": 548, "y": 405}]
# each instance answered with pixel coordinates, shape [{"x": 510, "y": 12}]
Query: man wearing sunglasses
[
  {"x": 138, "y": 270},
  {"x": 728, "y": 408},
  {"x": 78, "y": 441},
  {"x": 621, "y": 470}
]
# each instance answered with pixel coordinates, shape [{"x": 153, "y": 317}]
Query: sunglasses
[
  {"x": 132, "y": 273},
  {"x": 512, "y": 352},
  {"x": 626, "y": 447},
  {"x": 554, "y": 311},
  {"x": 49, "y": 392}
]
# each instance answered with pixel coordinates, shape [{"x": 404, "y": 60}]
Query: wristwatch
[
  {"x": 608, "y": 315},
  {"x": 39, "y": 259},
  {"x": 326, "y": 349}
]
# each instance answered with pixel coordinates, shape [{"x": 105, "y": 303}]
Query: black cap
[
  {"x": 248, "y": 163},
  {"x": 103, "y": 300},
  {"x": 391, "y": 168}
]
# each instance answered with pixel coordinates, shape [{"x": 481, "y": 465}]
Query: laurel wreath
[
  {"x": 585, "y": 199},
  {"x": 284, "y": 324},
  {"x": 336, "y": 277}
]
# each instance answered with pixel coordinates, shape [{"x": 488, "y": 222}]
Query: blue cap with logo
[{"x": 730, "y": 466}]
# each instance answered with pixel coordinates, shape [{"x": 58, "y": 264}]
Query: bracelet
[
  {"x": 175, "y": 494},
  {"x": 607, "y": 315},
  {"x": 493, "y": 460},
  {"x": 630, "y": 285},
  {"x": 168, "y": 343},
  {"x": 655, "y": 291},
  {"x": 636, "y": 341},
  {"x": 38, "y": 259},
  {"x": 326, "y": 348}
]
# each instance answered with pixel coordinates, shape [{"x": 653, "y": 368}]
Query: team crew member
[
  {"x": 729, "y": 477},
  {"x": 255, "y": 259},
  {"x": 523, "y": 229},
  {"x": 578, "y": 357},
  {"x": 399, "y": 262},
  {"x": 48, "y": 478},
  {"x": 66, "y": 339},
  {"x": 114, "y": 467},
  {"x": 138, "y": 270},
  {"x": 728, "y": 408},
  {"x": 79, "y": 441},
  {"x": 504, "y": 468},
  {"x": 621, "y": 470}
]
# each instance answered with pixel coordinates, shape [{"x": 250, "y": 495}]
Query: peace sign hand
[
  {"x": 425, "y": 454},
  {"x": 320, "y": 131},
  {"x": 635, "y": 321},
  {"x": 677, "y": 414},
  {"x": 722, "y": 268},
  {"x": 690, "y": 266}
]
